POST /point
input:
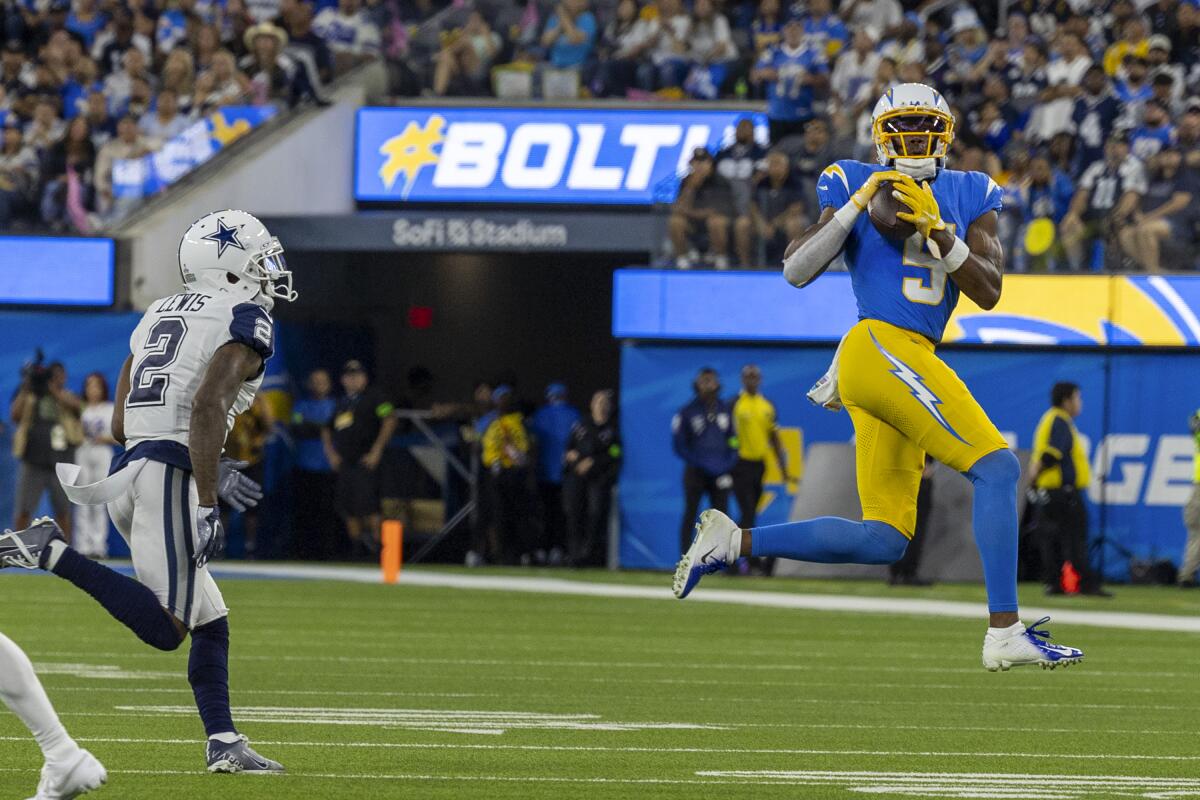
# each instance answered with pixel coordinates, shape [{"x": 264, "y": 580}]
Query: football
[{"x": 882, "y": 211}]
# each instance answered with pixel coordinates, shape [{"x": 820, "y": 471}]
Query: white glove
[
  {"x": 210, "y": 535},
  {"x": 238, "y": 491}
]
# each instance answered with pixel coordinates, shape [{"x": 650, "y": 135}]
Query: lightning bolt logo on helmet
[{"x": 912, "y": 128}]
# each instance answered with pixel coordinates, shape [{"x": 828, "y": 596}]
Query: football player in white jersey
[{"x": 196, "y": 362}]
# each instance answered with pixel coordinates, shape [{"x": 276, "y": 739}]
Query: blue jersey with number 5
[
  {"x": 171, "y": 349},
  {"x": 900, "y": 282}
]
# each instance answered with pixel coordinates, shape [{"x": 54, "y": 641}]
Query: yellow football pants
[{"x": 904, "y": 402}]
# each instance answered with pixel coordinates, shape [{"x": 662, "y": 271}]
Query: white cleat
[
  {"x": 1027, "y": 646},
  {"x": 712, "y": 549},
  {"x": 77, "y": 776}
]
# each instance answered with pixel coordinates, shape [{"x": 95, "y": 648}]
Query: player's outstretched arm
[
  {"x": 231, "y": 366},
  {"x": 976, "y": 265},
  {"x": 118, "y": 417}
]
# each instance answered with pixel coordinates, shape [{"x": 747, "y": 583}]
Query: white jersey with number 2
[{"x": 172, "y": 347}]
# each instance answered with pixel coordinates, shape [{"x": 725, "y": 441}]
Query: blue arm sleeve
[{"x": 253, "y": 327}]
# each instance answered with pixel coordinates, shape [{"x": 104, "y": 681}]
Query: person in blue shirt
[
  {"x": 1154, "y": 134},
  {"x": 85, "y": 21},
  {"x": 824, "y": 30},
  {"x": 792, "y": 73},
  {"x": 703, "y": 436},
  {"x": 570, "y": 35},
  {"x": 1046, "y": 194},
  {"x": 313, "y": 477},
  {"x": 551, "y": 426},
  {"x": 1134, "y": 88}
]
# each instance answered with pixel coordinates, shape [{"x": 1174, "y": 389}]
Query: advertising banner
[
  {"x": 1053, "y": 310},
  {"x": 532, "y": 155},
  {"x": 1136, "y": 407}
]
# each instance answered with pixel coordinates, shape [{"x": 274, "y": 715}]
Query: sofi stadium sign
[{"x": 531, "y": 155}]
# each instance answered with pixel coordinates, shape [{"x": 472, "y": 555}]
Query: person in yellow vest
[
  {"x": 1191, "y": 517},
  {"x": 757, "y": 434},
  {"x": 1059, "y": 470},
  {"x": 506, "y": 456}
]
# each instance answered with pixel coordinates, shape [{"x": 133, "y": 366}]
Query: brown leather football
[{"x": 882, "y": 210}]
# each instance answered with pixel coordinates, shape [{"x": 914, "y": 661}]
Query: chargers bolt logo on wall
[{"x": 628, "y": 157}]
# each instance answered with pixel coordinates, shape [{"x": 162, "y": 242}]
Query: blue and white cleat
[
  {"x": 715, "y": 546},
  {"x": 74, "y": 777},
  {"x": 238, "y": 757},
  {"x": 24, "y": 548},
  {"x": 1027, "y": 646}
]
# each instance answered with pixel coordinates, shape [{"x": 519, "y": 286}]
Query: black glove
[
  {"x": 238, "y": 491},
  {"x": 210, "y": 535}
]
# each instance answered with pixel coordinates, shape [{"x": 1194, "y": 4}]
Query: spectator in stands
[
  {"x": 1044, "y": 194},
  {"x": 164, "y": 122},
  {"x": 792, "y": 74},
  {"x": 704, "y": 437},
  {"x": 179, "y": 75},
  {"x": 570, "y": 36},
  {"x": 99, "y": 120},
  {"x": 810, "y": 156},
  {"x": 1096, "y": 112},
  {"x": 1109, "y": 192},
  {"x": 711, "y": 51},
  {"x": 273, "y": 76},
  {"x": 313, "y": 480},
  {"x": 306, "y": 46},
  {"x": 224, "y": 84},
  {"x": 94, "y": 458},
  {"x": 668, "y": 49},
  {"x": 1064, "y": 76},
  {"x": 823, "y": 29},
  {"x": 463, "y": 63},
  {"x": 1188, "y": 135},
  {"x": 777, "y": 215},
  {"x": 1133, "y": 42},
  {"x": 46, "y": 415},
  {"x": 1166, "y": 213},
  {"x": 68, "y": 172},
  {"x": 112, "y": 44},
  {"x": 1155, "y": 132},
  {"x": 46, "y": 128},
  {"x": 884, "y": 17},
  {"x": 766, "y": 29},
  {"x": 1132, "y": 88},
  {"x": 208, "y": 42},
  {"x": 738, "y": 164},
  {"x": 118, "y": 86},
  {"x": 86, "y": 21},
  {"x": 551, "y": 427},
  {"x": 506, "y": 455},
  {"x": 354, "y": 442},
  {"x": 129, "y": 143},
  {"x": 350, "y": 33},
  {"x": 592, "y": 463},
  {"x": 18, "y": 173},
  {"x": 82, "y": 82},
  {"x": 624, "y": 41},
  {"x": 703, "y": 211},
  {"x": 173, "y": 24},
  {"x": 855, "y": 67}
]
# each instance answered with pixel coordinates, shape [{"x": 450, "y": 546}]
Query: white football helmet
[
  {"x": 912, "y": 127},
  {"x": 232, "y": 252}
]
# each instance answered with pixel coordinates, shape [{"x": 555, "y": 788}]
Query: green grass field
[{"x": 427, "y": 692}]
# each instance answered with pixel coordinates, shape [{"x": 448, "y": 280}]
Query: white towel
[
  {"x": 101, "y": 492},
  {"x": 824, "y": 392}
]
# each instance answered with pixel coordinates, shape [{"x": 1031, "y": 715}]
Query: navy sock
[
  {"x": 995, "y": 521},
  {"x": 831, "y": 540},
  {"x": 130, "y": 603},
  {"x": 208, "y": 673}
]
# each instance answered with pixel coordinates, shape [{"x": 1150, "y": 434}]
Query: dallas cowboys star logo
[{"x": 224, "y": 236}]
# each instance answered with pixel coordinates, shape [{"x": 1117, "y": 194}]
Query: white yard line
[
  {"x": 783, "y": 600},
  {"x": 650, "y": 750}
]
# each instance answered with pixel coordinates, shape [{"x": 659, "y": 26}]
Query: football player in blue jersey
[{"x": 904, "y": 401}]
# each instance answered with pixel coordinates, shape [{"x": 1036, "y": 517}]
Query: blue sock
[
  {"x": 831, "y": 540},
  {"x": 130, "y": 603},
  {"x": 995, "y": 521},
  {"x": 208, "y": 673}
]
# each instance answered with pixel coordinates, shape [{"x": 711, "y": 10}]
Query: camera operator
[{"x": 48, "y": 429}]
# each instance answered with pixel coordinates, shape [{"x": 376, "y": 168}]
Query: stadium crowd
[{"x": 84, "y": 83}]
